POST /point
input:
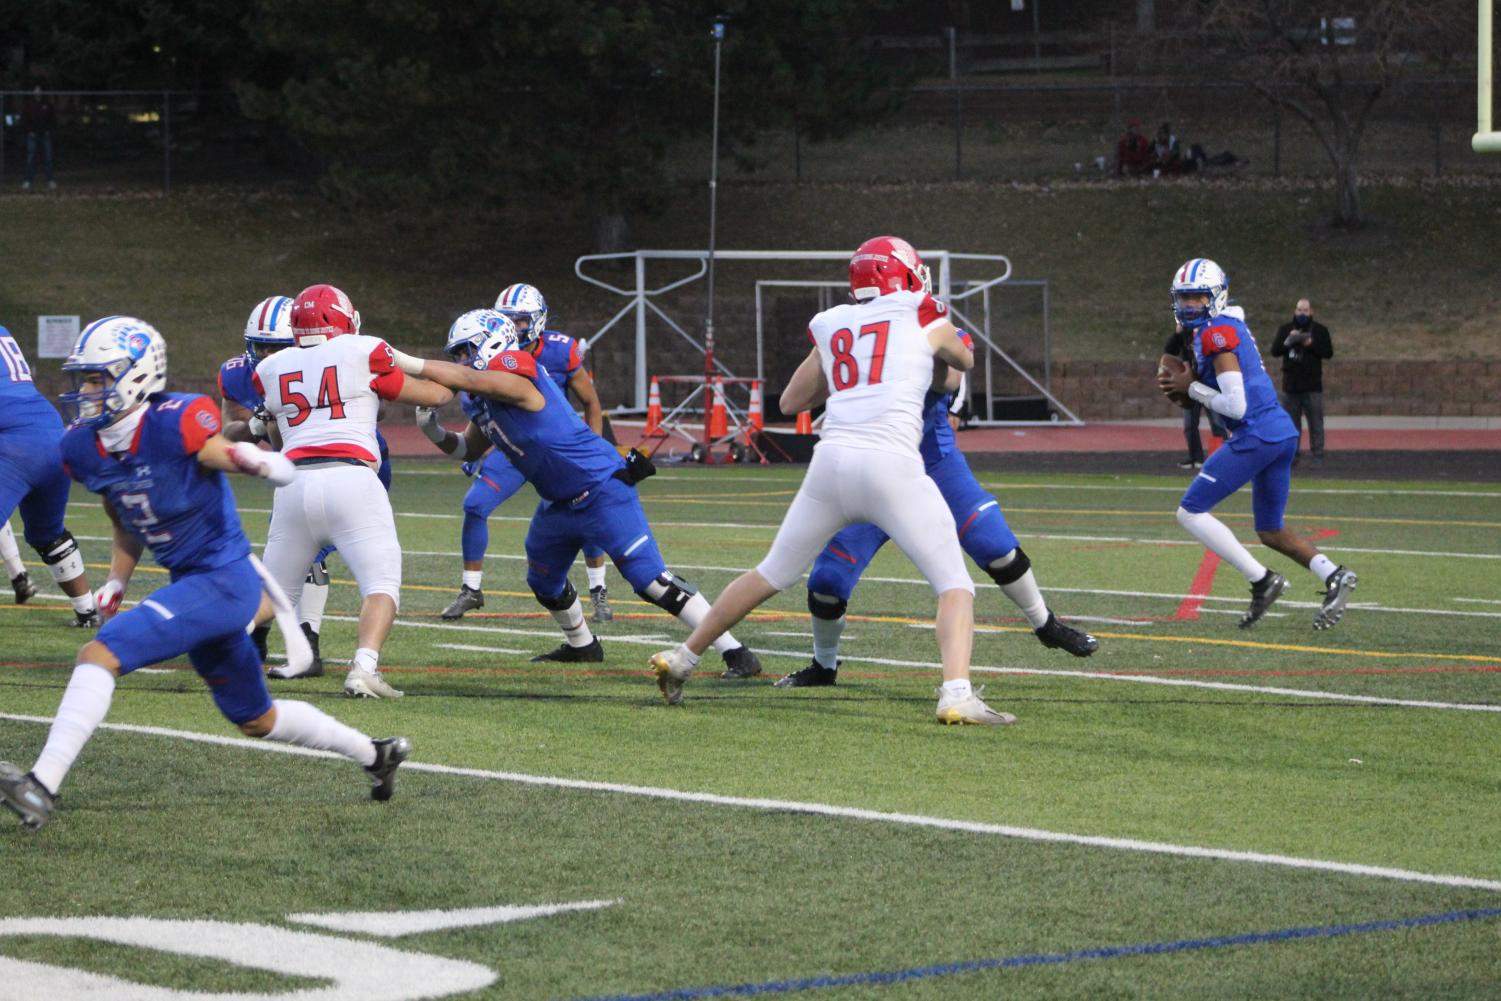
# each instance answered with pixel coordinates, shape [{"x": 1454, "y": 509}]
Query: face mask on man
[{"x": 1302, "y": 320}]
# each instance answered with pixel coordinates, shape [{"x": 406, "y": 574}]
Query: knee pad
[
  {"x": 562, "y": 602},
  {"x": 317, "y": 574},
  {"x": 62, "y": 557},
  {"x": 668, "y": 592},
  {"x": 826, "y": 606},
  {"x": 1012, "y": 570}
]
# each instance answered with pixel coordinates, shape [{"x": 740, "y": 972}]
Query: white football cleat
[
  {"x": 672, "y": 674},
  {"x": 970, "y": 709},
  {"x": 362, "y": 684}
]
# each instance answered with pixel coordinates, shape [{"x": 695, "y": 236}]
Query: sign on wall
[{"x": 55, "y": 336}]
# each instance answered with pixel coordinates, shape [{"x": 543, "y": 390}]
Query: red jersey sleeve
[
  {"x": 386, "y": 378},
  {"x": 1215, "y": 340},
  {"x": 255, "y": 380},
  {"x": 515, "y": 363},
  {"x": 969, "y": 341},
  {"x": 200, "y": 422},
  {"x": 575, "y": 358},
  {"x": 930, "y": 311},
  {"x": 220, "y": 379},
  {"x": 811, "y": 339}
]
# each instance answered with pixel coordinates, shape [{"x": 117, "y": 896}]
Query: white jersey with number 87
[{"x": 878, "y": 363}]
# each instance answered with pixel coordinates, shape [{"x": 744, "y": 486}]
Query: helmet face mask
[
  {"x": 1199, "y": 277},
  {"x": 320, "y": 312},
  {"x": 116, "y": 364},
  {"x": 269, "y": 328},
  {"x": 525, "y": 307},
  {"x": 886, "y": 264},
  {"x": 478, "y": 336}
]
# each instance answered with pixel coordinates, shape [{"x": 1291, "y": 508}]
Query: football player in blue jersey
[
  {"x": 586, "y": 487},
  {"x": 32, "y": 481},
  {"x": 983, "y": 534},
  {"x": 242, "y": 408},
  {"x": 1228, "y": 378},
  {"x": 496, "y": 479},
  {"x": 158, "y": 460}
]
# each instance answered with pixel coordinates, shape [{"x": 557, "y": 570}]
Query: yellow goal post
[{"x": 1485, "y": 139}]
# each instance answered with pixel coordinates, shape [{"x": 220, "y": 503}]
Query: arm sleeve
[
  {"x": 222, "y": 394},
  {"x": 386, "y": 378},
  {"x": 930, "y": 312},
  {"x": 255, "y": 380},
  {"x": 1174, "y": 345},
  {"x": 200, "y": 422},
  {"x": 575, "y": 358},
  {"x": 811, "y": 339},
  {"x": 1229, "y": 400}
]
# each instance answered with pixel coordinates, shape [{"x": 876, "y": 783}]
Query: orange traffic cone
[
  {"x": 719, "y": 421},
  {"x": 805, "y": 422},
  {"x": 754, "y": 417},
  {"x": 654, "y": 409}
]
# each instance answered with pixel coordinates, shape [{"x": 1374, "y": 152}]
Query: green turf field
[{"x": 1196, "y": 811}]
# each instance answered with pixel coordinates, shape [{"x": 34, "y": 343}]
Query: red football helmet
[
  {"x": 320, "y": 312},
  {"x": 886, "y": 264}
]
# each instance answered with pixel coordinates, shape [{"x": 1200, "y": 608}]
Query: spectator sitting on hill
[
  {"x": 1167, "y": 155},
  {"x": 1133, "y": 154}
]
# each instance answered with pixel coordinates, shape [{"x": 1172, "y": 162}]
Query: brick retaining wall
[{"x": 1126, "y": 390}]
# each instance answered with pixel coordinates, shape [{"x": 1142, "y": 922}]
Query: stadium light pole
[{"x": 713, "y": 205}]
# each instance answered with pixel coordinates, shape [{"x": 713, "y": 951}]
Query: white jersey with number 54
[
  {"x": 879, "y": 365},
  {"x": 325, "y": 396}
]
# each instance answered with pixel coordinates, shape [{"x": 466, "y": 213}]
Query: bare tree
[{"x": 1331, "y": 67}]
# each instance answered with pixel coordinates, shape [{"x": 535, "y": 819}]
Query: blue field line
[{"x": 1055, "y": 958}]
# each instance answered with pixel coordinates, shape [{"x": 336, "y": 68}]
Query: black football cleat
[
  {"x": 599, "y": 597},
  {"x": 815, "y": 675},
  {"x": 87, "y": 620},
  {"x": 740, "y": 663},
  {"x": 1057, "y": 636},
  {"x": 1263, "y": 593},
  {"x": 591, "y": 653},
  {"x": 23, "y": 795},
  {"x": 390, "y": 752},
  {"x": 1337, "y": 591},
  {"x": 25, "y": 589},
  {"x": 468, "y": 599}
]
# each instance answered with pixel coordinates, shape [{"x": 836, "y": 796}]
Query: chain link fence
[{"x": 981, "y": 129}]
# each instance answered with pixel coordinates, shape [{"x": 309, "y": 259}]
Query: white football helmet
[
  {"x": 527, "y": 310},
  {"x": 1200, "y": 276},
  {"x": 269, "y": 328},
  {"x": 129, "y": 359},
  {"x": 499, "y": 338},
  {"x": 473, "y": 330}
]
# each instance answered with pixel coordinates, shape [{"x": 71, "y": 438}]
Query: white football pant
[
  {"x": 847, "y": 485},
  {"x": 340, "y": 505}
]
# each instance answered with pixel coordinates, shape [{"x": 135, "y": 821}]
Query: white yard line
[
  {"x": 832, "y": 811},
  {"x": 1139, "y": 679}
]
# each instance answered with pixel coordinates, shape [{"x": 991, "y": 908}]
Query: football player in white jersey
[
  {"x": 874, "y": 361},
  {"x": 324, "y": 395}
]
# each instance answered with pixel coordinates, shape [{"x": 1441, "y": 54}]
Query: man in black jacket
[{"x": 1303, "y": 345}]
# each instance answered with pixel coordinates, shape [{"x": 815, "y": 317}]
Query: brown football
[{"x": 1172, "y": 364}]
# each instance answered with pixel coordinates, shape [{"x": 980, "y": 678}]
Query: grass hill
[{"x": 1416, "y": 283}]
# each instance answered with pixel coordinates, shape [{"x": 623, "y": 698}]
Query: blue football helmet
[
  {"x": 1200, "y": 276},
  {"x": 527, "y": 310},
  {"x": 129, "y": 359}
]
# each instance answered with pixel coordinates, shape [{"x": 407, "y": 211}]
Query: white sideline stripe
[
  {"x": 1332, "y": 491},
  {"x": 479, "y": 649},
  {"x": 394, "y": 924},
  {"x": 828, "y": 810},
  {"x": 1140, "y": 679},
  {"x": 1480, "y": 601}
]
